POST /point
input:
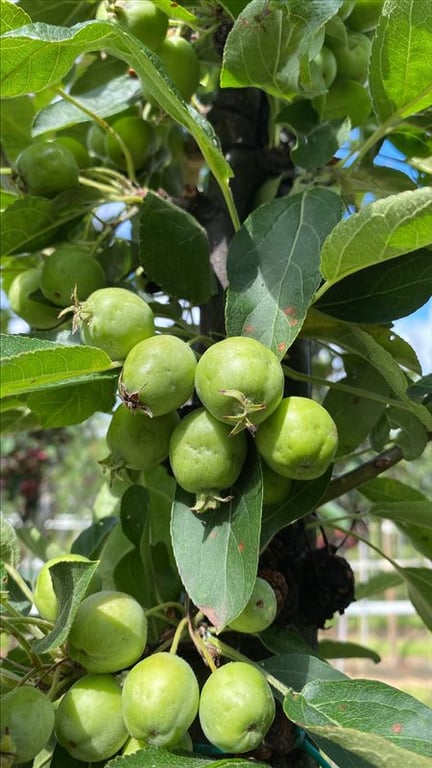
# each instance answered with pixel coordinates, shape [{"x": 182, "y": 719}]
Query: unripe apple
[
  {"x": 236, "y": 707},
  {"x": 260, "y": 610},
  {"x": 88, "y": 721},
  {"x": 27, "y": 721},
  {"x": 45, "y": 599},
  {"x": 109, "y": 632},
  {"x": 160, "y": 699}
]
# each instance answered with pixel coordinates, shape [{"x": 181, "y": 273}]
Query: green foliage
[{"x": 236, "y": 192}]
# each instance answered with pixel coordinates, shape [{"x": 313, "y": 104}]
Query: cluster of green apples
[
  {"x": 343, "y": 61},
  {"x": 147, "y": 699},
  {"x": 239, "y": 383}
]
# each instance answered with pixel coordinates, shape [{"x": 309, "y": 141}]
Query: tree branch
[{"x": 341, "y": 485}]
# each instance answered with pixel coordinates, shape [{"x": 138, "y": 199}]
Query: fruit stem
[
  {"x": 159, "y": 609},
  {"x": 177, "y": 635}
]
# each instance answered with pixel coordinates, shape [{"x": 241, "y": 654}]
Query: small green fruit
[
  {"x": 89, "y": 722},
  {"x": 236, "y": 707},
  {"x": 205, "y": 458},
  {"x": 70, "y": 269},
  {"x": 27, "y": 721},
  {"x": 160, "y": 699},
  {"x": 139, "y": 137},
  {"x": 260, "y": 610},
  {"x": 137, "y": 441},
  {"x": 276, "y": 488},
  {"x": 45, "y": 598},
  {"x": 109, "y": 632},
  {"x": 115, "y": 320},
  {"x": 299, "y": 440},
  {"x": 240, "y": 381},
  {"x": 47, "y": 168},
  {"x": 182, "y": 64},
  {"x": 36, "y": 313},
  {"x": 158, "y": 375}
]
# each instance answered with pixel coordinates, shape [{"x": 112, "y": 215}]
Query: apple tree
[{"x": 206, "y": 244}]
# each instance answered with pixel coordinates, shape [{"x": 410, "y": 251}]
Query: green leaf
[
  {"x": 315, "y": 148},
  {"x": 303, "y": 497},
  {"x": 376, "y": 180},
  {"x": 377, "y": 584},
  {"x": 16, "y": 118},
  {"x": 157, "y": 757},
  {"x": 62, "y": 759},
  {"x": 411, "y": 437},
  {"x": 381, "y": 293},
  {"x": 134, "y": 512},
  {"x": 270, "y": 45},
  {"x": 400, "y": 76},
  {"x": 90, "y": 541},
  {"x": 70, "y": 581},
  {"x": 333, "y": 649},
  {"x": 413, "y": 511},
  {"x": 113, "y": 97},
  {"x": 379, "y": 232},
  {"x": 368, "y": 707},
  {"x": 217, "y": 552},
  {"x": 15, "y": 344},
  {"x": 354, "y": 749},
  {"x": 176, "y": 11},
  {"x": 64, "y": 12},
  {"x": 421, "y": 388},
  {"x": 295, "y": 670},
  {"x": 9, "y": 544},
  {"x": 73, "y": 405},
  {"x": 175, "y": 251},
  {"x": 362, "y": 343},
  {"x": 38, "y": 544},
  {"x": 419, "y": 585},
  {"x": 29, "y": 224},
  {"x": 44, "y": 369},
  {"x": 39, "y": 55},
  {"x": 273, "y": 266},
  {"x": 11, "y": 16},
  {"x": 284, "y": 641},
  {"x": 356, "y": 416}
]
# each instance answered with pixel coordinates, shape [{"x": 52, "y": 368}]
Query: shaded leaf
[
  {"x": 355, "y": 416},
  {"x": 411, "y": 436},
  {"x": 270, "y": 44},
  {"x": 400, "y": 76},
  {"x": 376, "y": 180},
  {"x": 421, "y": 388},
  {"x": 377, "y": 584},
  {"x": 354, "y": 749},
  {"x": 334, "y": 649},
  {"x": 381, "y": 231},
  {"x": 295, "y": 670},
  {"x": 113, "y": 97},
  {"x": 381, "y": 293},
  {"x": 285, "y": 641},
  {"x": 413, "y": 511},
  {"x": 64, "y": 12},
  {"x": 419, "y": 585},
  {"x": 90, "y": 542},
  {"x": 28, "y": 224},
  {"x": 303, "y": 497},
  {"x": 273, "y": 266},
  {"x": 366, "y": 706},
  {"x": 362, "y": 343},
  {"x": 16, "y": 117},
  {"x": 134, "y": 512},
  {"x": 217, "y": 552},
  {"x": 175, "y": 251},
  {"x": 73, "y": 405},
  {"x": 70, "y": 581}
]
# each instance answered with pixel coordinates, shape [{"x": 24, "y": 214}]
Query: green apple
[
  {"x": 45, "y": 598},
  {"x": 260, "y": 610},
  {"x": 88, "y": 721},
  {"x": 27, "y": 721},
  {"x": 109, "y": 632}
]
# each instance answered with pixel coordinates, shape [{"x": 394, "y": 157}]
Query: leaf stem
[{"x": 178, "y": 633}]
